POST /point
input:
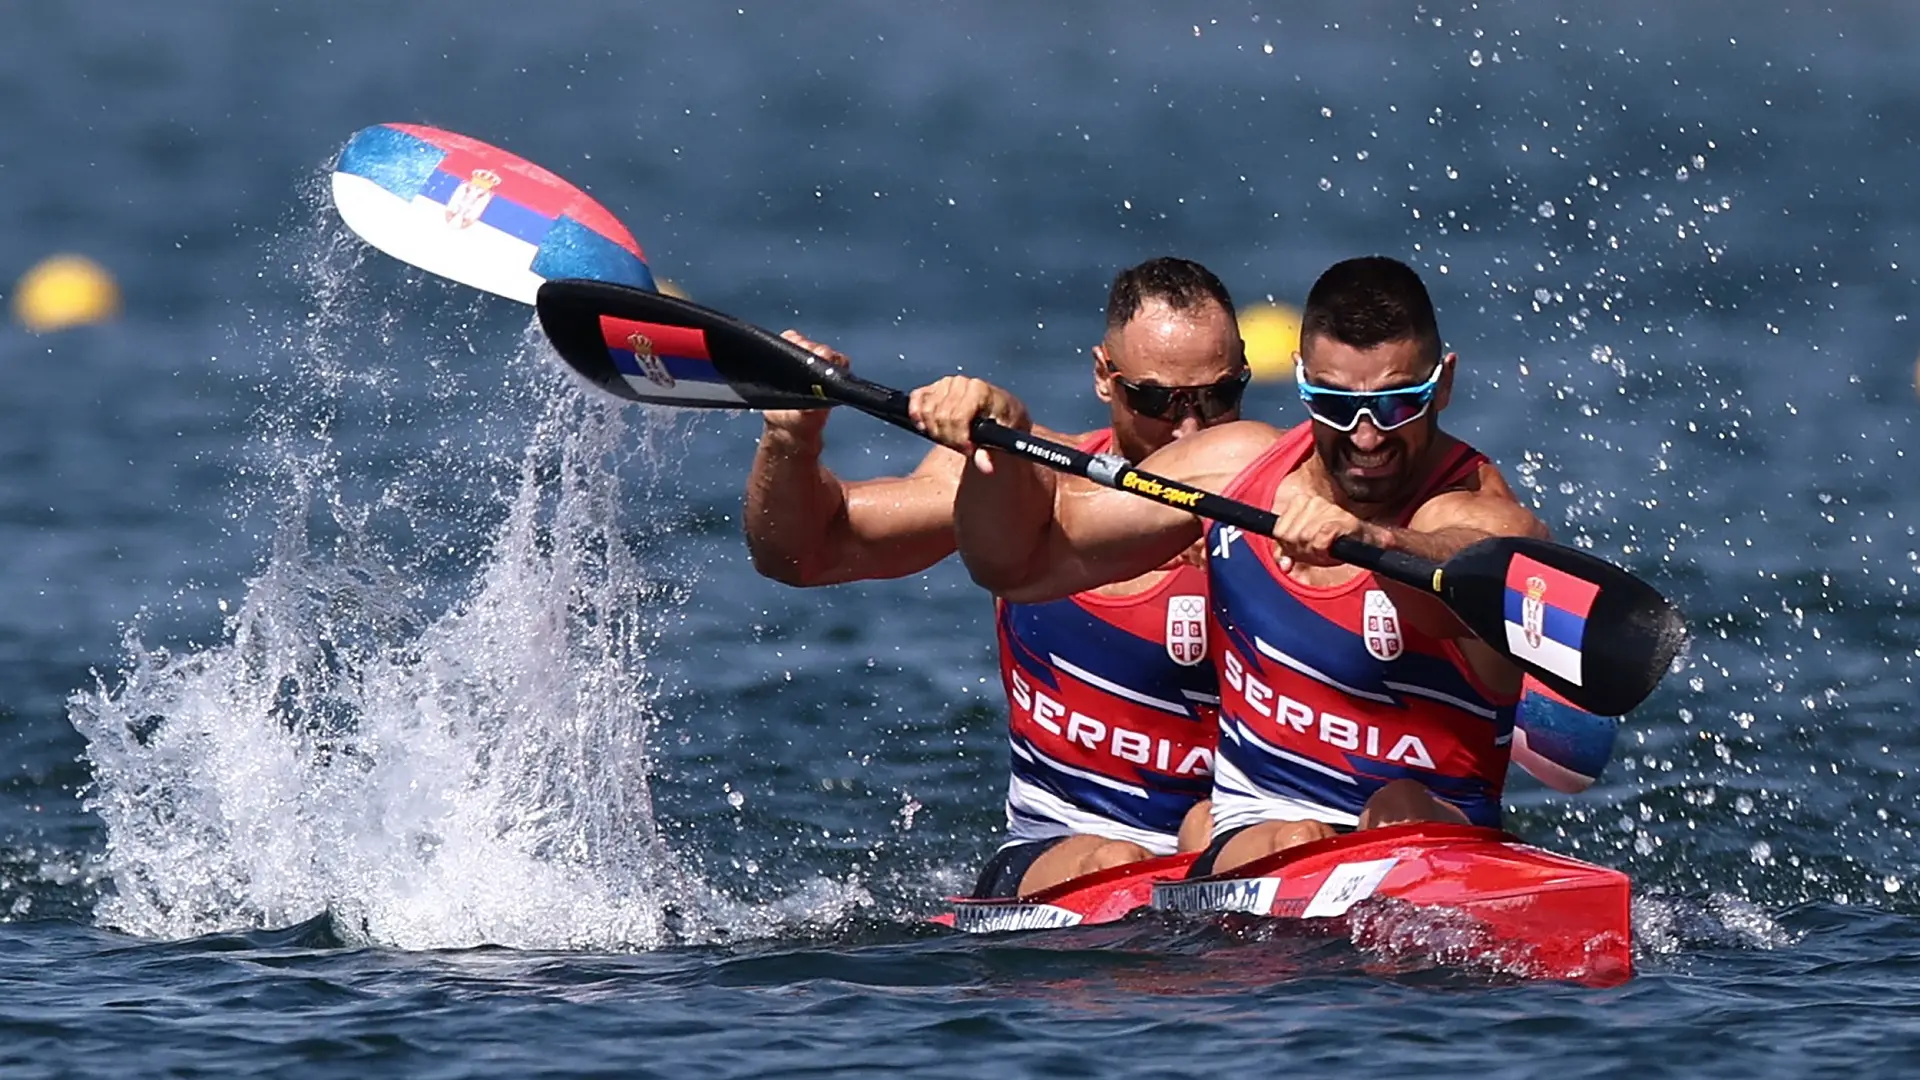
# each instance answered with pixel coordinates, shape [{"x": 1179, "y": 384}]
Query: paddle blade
[
  {"x": 1588, "y": 630},
  {"x": 473, "y": 213},
  {"x": 646, "y": 346}
]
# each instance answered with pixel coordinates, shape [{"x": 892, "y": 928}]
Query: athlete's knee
[
  {"x": 1269, "y": 838},
  {"x": 1403, "y": 801},
  {"x": 1196, "y": 829},
  {"x": 1111, "y": 854},
  {"x": 1291, "y": 834}
]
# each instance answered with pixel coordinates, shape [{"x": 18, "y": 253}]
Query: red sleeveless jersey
[
  {"x": 1327, "y": 694},
  {"x": 1113, "y": 709}
]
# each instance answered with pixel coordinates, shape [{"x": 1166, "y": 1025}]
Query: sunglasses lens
[
  {"x": 1340, "y": 412},
  {"x": 1392, "y": 410},
  {"x": 1148, "y": 400},
  {"x": 1209, "y": 402},
  {"x": 1216, "y": 401}
]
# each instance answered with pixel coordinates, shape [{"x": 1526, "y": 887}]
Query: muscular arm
[
  {"x": 1445, "y": 525},
  {"x": 805, "y": 526},
  {"x": 1028, "y": 534},
  {"x": 1440, "y": 529}
]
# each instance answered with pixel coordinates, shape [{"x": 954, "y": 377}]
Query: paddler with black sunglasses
[
  {"x": 1348, "y": 701},
  {"x": 1112, "y": 699}
]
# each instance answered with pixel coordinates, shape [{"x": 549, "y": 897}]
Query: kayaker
[
  {"x": 1347, "y": 700},
  {"x": 1111, "y": 697}
]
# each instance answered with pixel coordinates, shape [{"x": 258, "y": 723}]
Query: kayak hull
[{"x": 1488, "y": 898}]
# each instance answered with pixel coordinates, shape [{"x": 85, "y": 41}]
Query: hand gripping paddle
[{"x": 1590, "y": 631}]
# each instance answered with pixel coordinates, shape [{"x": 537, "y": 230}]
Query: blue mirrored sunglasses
[{"x": 1388, "y": 409}]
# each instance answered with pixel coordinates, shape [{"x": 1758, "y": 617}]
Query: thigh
[
  {"x": 1000, "y": 878},
  {"x": 1261, "y": 840},
  {"x": 1073, "y": 856}
]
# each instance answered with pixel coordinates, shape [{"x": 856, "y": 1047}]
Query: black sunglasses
[{"x": 1209, "y": 402}]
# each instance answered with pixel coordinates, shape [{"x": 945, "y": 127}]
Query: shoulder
[
  {"x": 1480, "y": 500},
  {"x": 1211, "y": 458}
]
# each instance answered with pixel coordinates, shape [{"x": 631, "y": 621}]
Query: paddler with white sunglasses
[{"x": 1347, "y": 700}]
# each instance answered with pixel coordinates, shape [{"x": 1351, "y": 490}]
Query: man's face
[
  {"x": 1369, "y": 466},
  {"x": 1197, "y": 349}
]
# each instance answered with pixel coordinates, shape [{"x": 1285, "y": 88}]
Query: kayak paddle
[
  {"x": 1588, "y": 630},
  {"x": 476, "y": 214}
]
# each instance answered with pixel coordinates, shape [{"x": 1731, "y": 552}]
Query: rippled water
[{"x": 376, "y": 699}]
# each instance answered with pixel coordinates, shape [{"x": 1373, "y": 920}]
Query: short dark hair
[
  {"x": 1370, "y": 301},
  {"x": 1181, "y": 284}
]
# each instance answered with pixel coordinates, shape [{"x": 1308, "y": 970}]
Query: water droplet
[
  {"x": 1475, "y": 58},
  {"x": 1546, "y": 209}
]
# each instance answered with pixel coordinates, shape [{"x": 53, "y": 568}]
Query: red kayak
[{"x": 1496, "y": 901}]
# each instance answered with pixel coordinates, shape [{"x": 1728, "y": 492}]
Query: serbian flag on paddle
[
  {"x": 1546, "y": 616},
  {"x": 664, "y": 363}
]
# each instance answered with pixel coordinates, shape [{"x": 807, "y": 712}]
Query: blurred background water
[{"x": 373, "y": 698}]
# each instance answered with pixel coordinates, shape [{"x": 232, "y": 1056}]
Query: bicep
[
  {"x": 1466, "y": 516},
  {"x": 1101, "y": 536},
  {"x": 1486, "y": 505},
  {"x": 896, "y": 526}
]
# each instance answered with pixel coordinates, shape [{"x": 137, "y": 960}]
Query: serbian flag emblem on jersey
[
  {"x": 1546, "y": 616},
  {"x": 1187, "y": 629}
]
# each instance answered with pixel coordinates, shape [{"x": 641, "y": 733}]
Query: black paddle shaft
[{"x": 1620, "y": 639}]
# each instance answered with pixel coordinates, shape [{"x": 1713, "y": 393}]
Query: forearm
[
  {"x": 792, "y": 506},
  {"x": 1437, "y": 546},
  {"x": 1002, "y": 521}
]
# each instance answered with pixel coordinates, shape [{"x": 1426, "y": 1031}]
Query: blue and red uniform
[
  {"x": 1327, "y": 694},
  {"x": 1113, "y": 708}
]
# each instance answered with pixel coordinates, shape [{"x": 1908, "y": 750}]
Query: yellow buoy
[
  {"x": 63, "y": 291},
  {"x": 1272, "y": 334}
]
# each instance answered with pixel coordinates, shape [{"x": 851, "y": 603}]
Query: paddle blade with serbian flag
[
  {"x": 1584, "y": 628},
  {"x": 646, "y": 346},
  {"x": 476, "y": 214}
]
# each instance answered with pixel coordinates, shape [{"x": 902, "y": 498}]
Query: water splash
[
  {"x": 429, "y": 715},
  {"x": 476, "y": 776},
  {"x": 1668, "y": 925}
]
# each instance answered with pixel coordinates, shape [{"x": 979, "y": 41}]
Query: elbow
[
  {"x": 1012, "y": 583},
  {"x": 801, "y": 568},
  {"x": 784, "y": 571},
  {"x": 1027, "y": 593},
  {"x": 997, "y": 578}
]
